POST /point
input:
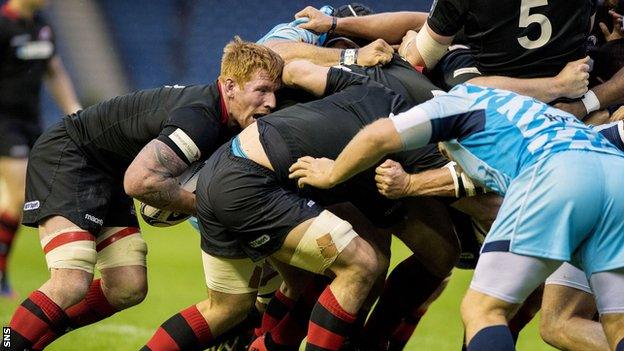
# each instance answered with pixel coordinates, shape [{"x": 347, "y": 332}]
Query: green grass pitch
[{"x": 176, "y": 281}]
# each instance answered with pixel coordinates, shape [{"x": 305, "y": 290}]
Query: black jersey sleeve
[
  {"x": 447, "y": 17},
  {"x": 341, "y": 78},
  {"x": 191, "y": 131}
]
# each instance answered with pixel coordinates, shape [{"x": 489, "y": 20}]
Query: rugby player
[
  {"x": 28, "y": 58},
  {"x": 568, "y": 307},
  {"x": 83, "y": 172},
  {"x": 541, "y": 153},
  {"x": 505, "y": 58},
  {"x": 234, "y": 227},
  {"x": 291, "y": 42}
]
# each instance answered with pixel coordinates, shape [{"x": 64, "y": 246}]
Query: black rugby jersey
[
  {"x": 518, "y": 38},
  {"x": 191, "y": 120},
  {"x": 26, "y": 47},
  {"x": 322, "y": 128}
]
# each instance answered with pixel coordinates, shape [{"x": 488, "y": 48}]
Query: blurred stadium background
[{"x": 111, "y": 47}]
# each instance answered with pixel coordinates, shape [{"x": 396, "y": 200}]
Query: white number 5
[{"x": 526, "y": 19}]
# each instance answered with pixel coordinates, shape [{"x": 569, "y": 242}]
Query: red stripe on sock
[
  {"x": 45, "y": 340},
  {"x": 269, "y": 321},
  {"x": 94, "y": 307},
  {"x": 324, "y": 338},
  {"x": 162, "y": 341},
  {"x": 8, "y": 220},
  {"x": 49, "y": 307},
  {"x": 67, "y": 238},
  {"x": 6, "y": 235},
  {"x": 328, "y": 300},
  {"x": 117, "y": 236},
  {"x": 28, "y": 325},
  {"x": 284, "y": 299},
  {"x": 198, "y": 323}
]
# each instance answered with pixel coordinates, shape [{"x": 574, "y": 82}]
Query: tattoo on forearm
[{"x": 167, "y": 166}]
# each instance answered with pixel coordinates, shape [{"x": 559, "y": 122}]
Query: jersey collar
[{"x": 224, "y": 112}]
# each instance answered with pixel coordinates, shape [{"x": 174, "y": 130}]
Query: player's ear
[{"x": 228, "y": 87}]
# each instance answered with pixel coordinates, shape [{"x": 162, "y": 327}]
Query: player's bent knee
[
  {"x": 70, "y": 248},
  {"x": 366, "y": 262},
  {"x": 326, "y": 237},
  {"x": 120, "y": 246},
  {"x": 550, "y": 330},
  {"x": 128, "y": 292}
]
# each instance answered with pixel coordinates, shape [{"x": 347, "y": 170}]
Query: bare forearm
[
  {"x": 305, "y": 75},
  {"x": 152, "y": 179},
  {"x": 435, "y": 182},
  {"x": 611, "y": 92},
  {"x": 543, "y": 89},
  {"x": 169, "y": 196},
  {"x": 390, "y": 26},
  {"x": 366, "y": 149},
  {"x": 359, "y": 155},
  {"x": 61, "y": 88},
  {"x": 291, "y": 51}
]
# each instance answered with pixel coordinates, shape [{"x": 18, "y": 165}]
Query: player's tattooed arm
[{"x": 152, "y": 179}]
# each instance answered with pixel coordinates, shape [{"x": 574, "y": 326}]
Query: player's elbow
[
  {"x": 137, "y": 183},
  {"x": 295, "y": 71}
]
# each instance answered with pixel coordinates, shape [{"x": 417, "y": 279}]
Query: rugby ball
[{"x": 165, "y": 218}]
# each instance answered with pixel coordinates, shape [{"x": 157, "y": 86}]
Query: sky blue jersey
[{"x": 495, "y": 134}]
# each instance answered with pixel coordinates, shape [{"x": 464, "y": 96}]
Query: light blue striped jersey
[
  {"x": 290, "y": 32},
  {"x": 495, "y": 134}
]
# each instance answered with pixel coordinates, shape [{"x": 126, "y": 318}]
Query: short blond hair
[{"x": 242, "y": 59}]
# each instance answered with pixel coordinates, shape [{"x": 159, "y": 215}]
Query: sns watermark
[{"x": 6, "y": 337}]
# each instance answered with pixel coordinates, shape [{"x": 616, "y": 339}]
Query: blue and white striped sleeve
[{"x": 445, "y": 117}]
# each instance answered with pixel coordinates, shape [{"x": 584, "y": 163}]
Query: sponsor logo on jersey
[
  {"x": 94, "y": 219},
  {"x": 32, "y": 205},
  {"x": 311, "y": 203},
  {"x": 35, "y": 50},
  {"x": 260, "y": 241},
  {"x": 186, "y": 145}
]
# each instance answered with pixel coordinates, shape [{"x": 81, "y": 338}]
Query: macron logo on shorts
[
  {"x": 260, "y": 241},
  {"x": 32, "y": 205},
  {"x": 94, "y": 219}
]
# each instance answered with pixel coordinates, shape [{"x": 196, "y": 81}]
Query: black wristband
[{"x": 333, "y": 25}]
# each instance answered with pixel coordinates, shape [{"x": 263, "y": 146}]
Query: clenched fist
[
  {"x": 574, "y": 78},
  {"x": 392, "y": 180},
  {"x": 377, "y": 52}
]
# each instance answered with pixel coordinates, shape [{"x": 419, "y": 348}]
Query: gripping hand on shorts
[{"x": 312, "y": 171}]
